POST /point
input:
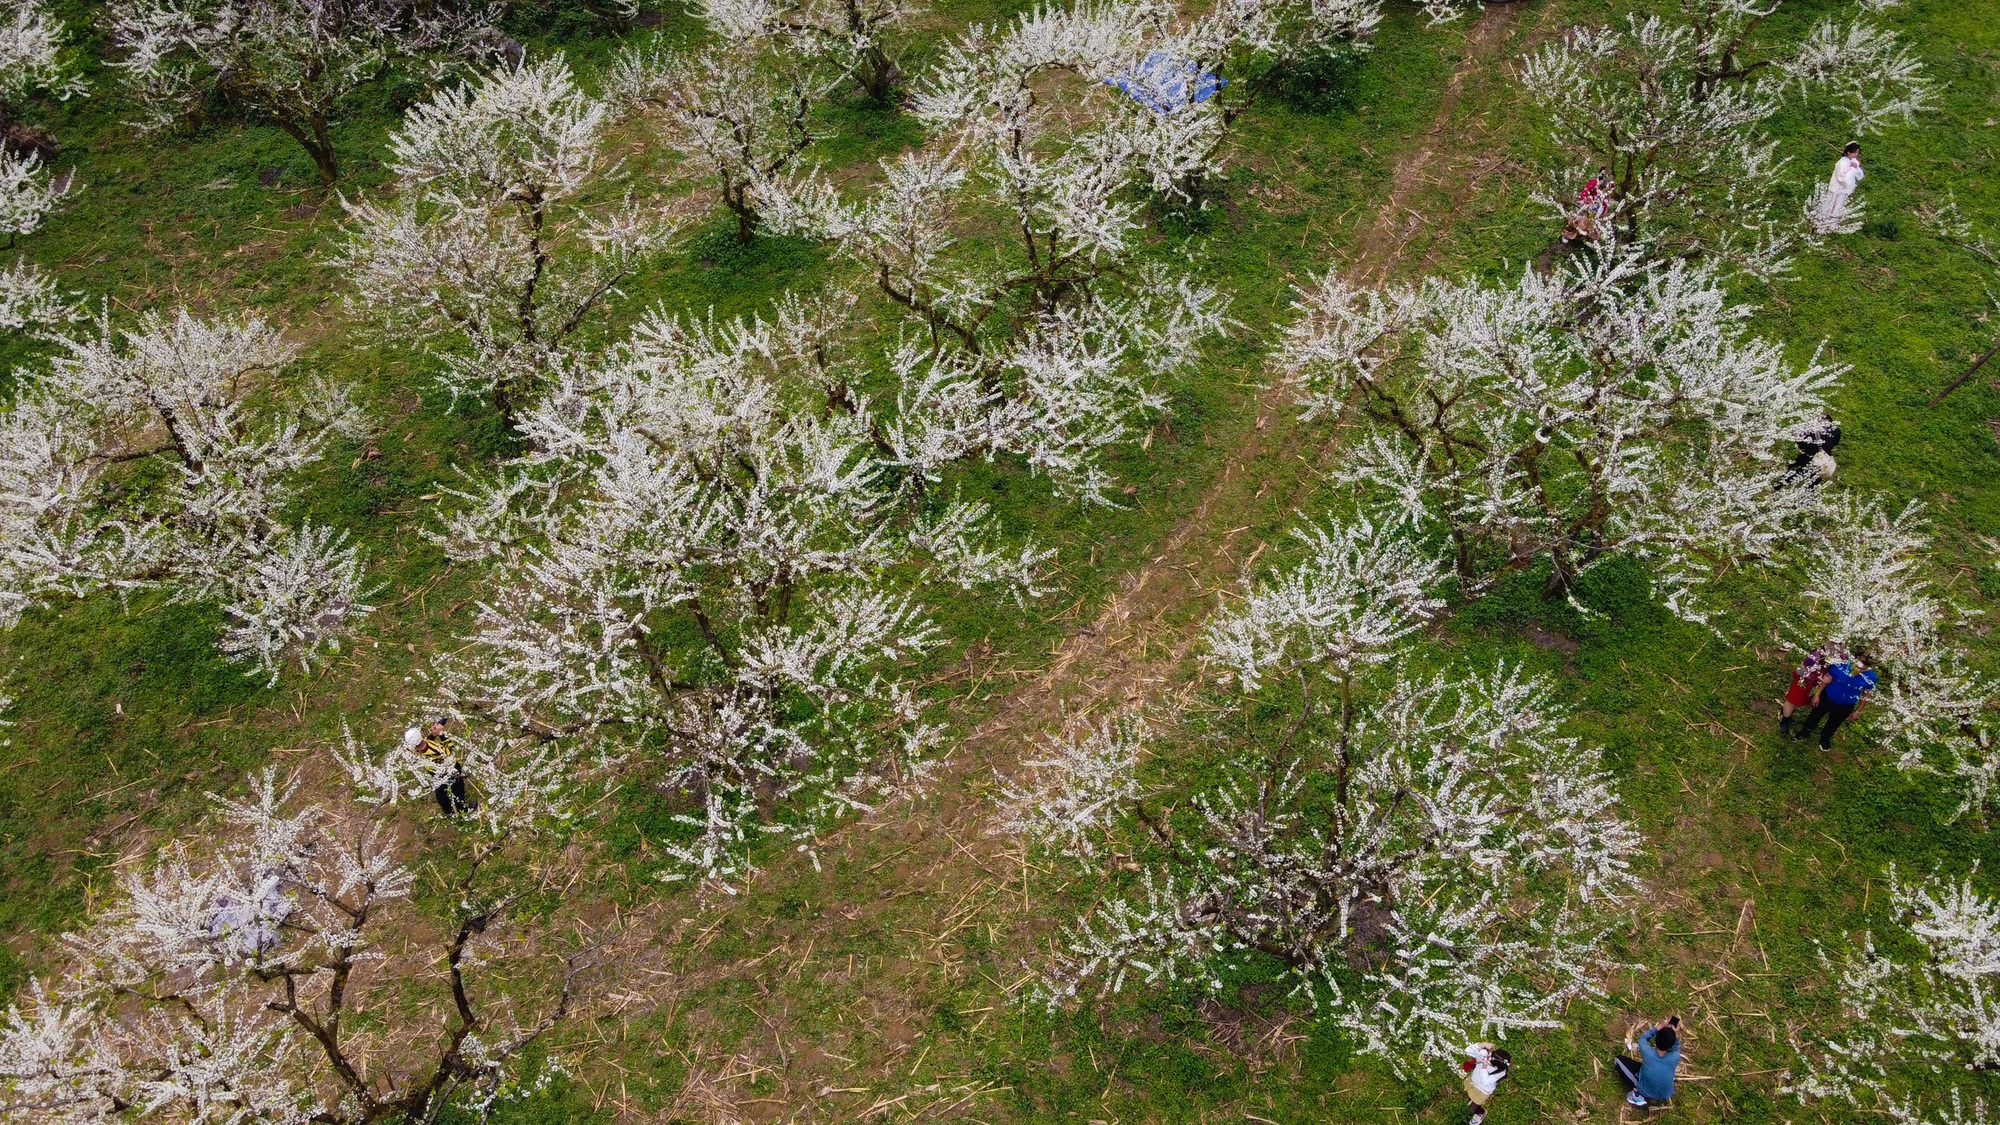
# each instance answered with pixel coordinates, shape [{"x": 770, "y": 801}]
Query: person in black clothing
[
  {"x": 435, "y": 744},
  {"x": 1817, "y": 438}
]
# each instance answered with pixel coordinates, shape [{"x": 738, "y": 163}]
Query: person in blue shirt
[
  {"x": 1843, "y": 689},
  {"x": 1650, "y": 1077}
]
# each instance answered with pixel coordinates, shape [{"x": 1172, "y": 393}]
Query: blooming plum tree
[
  {"x": 33, "y": 59},
  {"x": 1617, "y": 406},
  {"x": 1673, "y": 108},
  {"x": 291, "y": 62},
  {"x": 739, "y": 111},
  {"x": 860, "y": 36},
  {"x": 28, "y": 193},
  {"x": 136, "y": 461},
  {"x": 488, "y": 254},
  {"x": 715, "y": 553},
  {"x": 255, "y": 981},
  {"x": 1921, "y": 1004},
  {"x": 1066, "y": 324},
  {"x": 1424, "y": 856}
]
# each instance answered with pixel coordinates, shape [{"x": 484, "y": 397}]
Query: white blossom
[
  {"x": 1673, "y": 108},
  {"x": 1068, "y": 798},
  {"x": 78, "y": 514},
  {"x": 861, "y": 37},
  {"x": 1868, "y": 585},
  {"x": 28, "y": 194},
  {"x": 487, "y": 255},
  {"x": 1427, "y": 857},
  {"x": 291, "y": 62},
  {"x": 1359, "y": 591},
  {"x": 1918, "y": 1006},
  {"x": 1064, "y": 327},
  {"x": 714, "y": 553},
  {"x": 272, "y": 972},
  {"x": 32, "y": 56},
  {"x": 30, "y": 298},
  {"x": 1614, "y": 406},
  {"x": 739, "y": 115}
]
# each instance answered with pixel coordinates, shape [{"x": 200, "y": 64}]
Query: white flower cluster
[
  {"x": 32, "y": 57},
  {"x": 79, "y": 510},
  {"x": 858, "y": 36},
  {"x": 1868, "y": 583},
  {"x": 28, "y": 194},
  {"x": 1067, "y": 800},
  {"x": 250, "y": 982},
  {"x": 1425, "y": 855},
  {"x": 1673, "y": 108},
  {"x": 740, "y": 111},
  {"x": 1065, "y": 326},
  {"x": 292, "y": 62},
  {"x": 713, "y": 553},
  {"x": 487, "y": 255},
  {"x": 1615, "y": 406},
  {"x": 1035, "y": 112},
  {"x": 1922, "y": 1005}
]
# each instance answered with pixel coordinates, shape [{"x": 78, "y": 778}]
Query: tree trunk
[
  {"x": 879, "y": 77},
  {"x": 313, "y": 137}
]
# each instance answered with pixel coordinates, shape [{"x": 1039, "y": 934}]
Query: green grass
[{"x": 126, "y": 715}]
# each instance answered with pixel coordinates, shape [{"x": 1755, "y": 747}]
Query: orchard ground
[{"x": 883, "y": 984}]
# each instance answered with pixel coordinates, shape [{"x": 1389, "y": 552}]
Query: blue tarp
[{"x": 1164, "y": 83}]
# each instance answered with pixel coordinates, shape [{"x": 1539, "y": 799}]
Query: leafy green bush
[{"x": 1321, "y": 83}]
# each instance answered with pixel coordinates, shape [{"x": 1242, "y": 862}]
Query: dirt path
[
  {"x": 1141, "y": 640},
  {"x": 1136, "y": 653}
]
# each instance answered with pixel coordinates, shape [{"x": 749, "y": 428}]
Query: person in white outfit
[
  {"x": 1847, "y": 175},
  {"x": 1484, "y": 1067}
]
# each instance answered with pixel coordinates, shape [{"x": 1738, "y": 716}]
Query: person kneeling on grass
[
  {"x": 1484, "y": 1069},
  {"x": 1650, "y": 1077},
  {"x": 434, "y": 743},
  {"x": 1844, "y": 690}
]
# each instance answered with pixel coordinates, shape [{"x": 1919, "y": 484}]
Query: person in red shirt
[
  {"x": 1592, "y": 205},
  {"x": 1805, "y": 685}
]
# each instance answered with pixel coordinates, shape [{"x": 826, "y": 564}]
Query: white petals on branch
[
  {"x": 1358, "y": 593},
  {"x": 1054, "y": 348},
  {"x": 857, "y": 36},
  {"x": 28, "y": 193},
  {"x": 1877, "y": 80},
  {"x": 31, "y": 298},
  {"x": 1427, "y": 858},
  {"x": 715, "y": 554},
  {"x": 1617, "y": 406},
  {"x": 485, "y": 257},
  {"x": 1675, "y": 107},
  {"x": 248, "y": 979},
  {"x": 731, "y": 113},
  {"x": 293, "y": 62},
  {"x": 1868, "y": 584},
  {"x": 1919, "y": 1005},
  {"x": 31, "y": 55},
  {"x": 74, "y": 516},
  {"x": 1084, "y": 781}
]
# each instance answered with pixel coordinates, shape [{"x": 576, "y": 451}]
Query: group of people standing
[
  {"x": 1836, "y": 689},
  {"x": 1594, "y": 202},
  {"x": 1648, "y": 1078}
]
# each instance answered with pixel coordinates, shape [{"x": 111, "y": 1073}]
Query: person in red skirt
[{"x": 1804, "y": 689}]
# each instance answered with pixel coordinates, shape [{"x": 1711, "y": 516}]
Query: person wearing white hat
[{"x": 438, "y": 746}]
